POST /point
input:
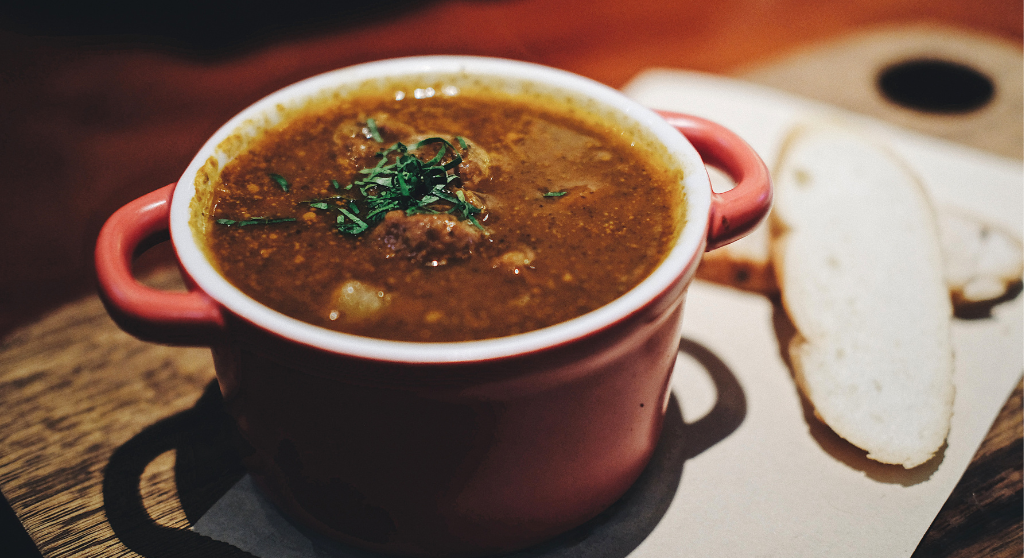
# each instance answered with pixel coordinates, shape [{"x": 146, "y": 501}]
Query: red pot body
[{"x": 452, "y": 460}]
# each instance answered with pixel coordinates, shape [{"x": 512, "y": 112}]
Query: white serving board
[{"x": 773, "y": 481}]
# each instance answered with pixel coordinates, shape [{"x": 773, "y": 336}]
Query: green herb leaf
[
  {"x": 280, "y": 181},
  {"x": 371, "y": 124},
  {"x": 327, "y": 199},
  {"x": 400, "y": 180},
  {"x": 354, "y": 225},
  {"x": 336, "y": 185},
  {"x": 255, "y": 221},
  {"x": 555, "y": 194}
]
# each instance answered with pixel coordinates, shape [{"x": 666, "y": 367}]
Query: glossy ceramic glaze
[{"x": 442, "y": 449}]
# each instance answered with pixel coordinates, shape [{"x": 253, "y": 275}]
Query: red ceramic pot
[{"x": 439, "y": 449}]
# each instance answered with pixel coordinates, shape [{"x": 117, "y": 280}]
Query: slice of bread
[
  {"x": 856, "y": 253},
  {"x": 983, "y": 262}
]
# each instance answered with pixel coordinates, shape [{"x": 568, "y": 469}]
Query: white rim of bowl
[{"x": 696, "y": 185}]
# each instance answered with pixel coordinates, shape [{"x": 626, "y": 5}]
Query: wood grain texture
[
  {"x": 83, "y": 388},
  {"x": 982, "y": 517},
  {"x": 103, "y": 464}
]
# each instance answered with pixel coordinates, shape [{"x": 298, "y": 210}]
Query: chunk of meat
[
  {"x": 432, "y": 239},
  {"x": 482, "y": 202},
  {"x": 475, "y": 168},
  {"x": 352, "y": 150},
  {"x": 356, "y": 146},
  {"x": 390, "y": 130},
  {"x": 472, "y": 172}
]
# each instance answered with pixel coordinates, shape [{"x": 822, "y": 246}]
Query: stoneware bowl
[{"x": 438, "y": 449}]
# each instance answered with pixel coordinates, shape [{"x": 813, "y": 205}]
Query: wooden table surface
[{"x": 98, "y": 108}]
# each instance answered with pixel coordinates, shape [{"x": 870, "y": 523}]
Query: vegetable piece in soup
[{"x": 442, "y": 219}]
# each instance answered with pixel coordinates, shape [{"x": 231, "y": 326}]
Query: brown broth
[{"x": 542, "y": 261}]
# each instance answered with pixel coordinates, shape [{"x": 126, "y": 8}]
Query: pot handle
[
  {"x": 179, "y": 318},
  {"x": 736, "y": 212}
]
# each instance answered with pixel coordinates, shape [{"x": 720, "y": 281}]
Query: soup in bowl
[
  {"x": 443, "y": 294},
  {"x": 442, "y": 208}
]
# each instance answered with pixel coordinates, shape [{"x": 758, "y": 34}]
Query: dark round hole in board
[{"x": 932, "y": 85}]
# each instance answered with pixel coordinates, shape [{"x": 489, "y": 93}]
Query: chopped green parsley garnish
[
  {"x": 399, "y": 181},
  {"x": 255, "y": 221},
  {"x": 405, "y": 182},
  {"x": 280, "y": 181},
  {"x": 555, "y": 194},
  {"x": 371, "y": 125},
  {"x": 352, "y": 225}
]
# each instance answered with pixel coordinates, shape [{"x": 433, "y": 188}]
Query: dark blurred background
[
  {"x": 102, "y": 102},
  {"x": 202, "y": 28}
]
